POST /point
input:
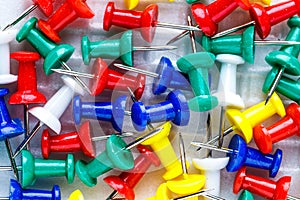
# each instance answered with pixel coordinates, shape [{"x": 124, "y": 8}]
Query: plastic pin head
[
  {"x": 76, "y": 195},
  {"x": 246, "y": 195},
  {"x": 45, "y": 6}
]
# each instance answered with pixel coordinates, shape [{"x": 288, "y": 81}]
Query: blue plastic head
[
  {"x": 239, "y": 155},
  {"x": 118, "y": 109}
]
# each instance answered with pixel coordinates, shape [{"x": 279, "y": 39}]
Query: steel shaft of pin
[
  {"x": 26, "y": 123},
  {"x": 212, "y": 147},
  {"x": 289, "y": 197},
  {"x": 192, "y": 35},
  {"x": 74, "y": 73},
  {"x": 112, "y": 195},
  {"x": 104, "y": 137},
  {"x": 274, "y": 85},
  {"x": 234, "y": 29},
  {"x": 275, "y": 43},
  {"x": 221, "y": 127},
  {"x": 200, "y": 193},
  {"x": 154, "y": 48},
  {"x": 176, "y": 26},
  {"x": 208, "y": 133},
  {"x": 181, "y": 35},
  {"x": 140, "y": 71},
  {"x": 182, "y": 154},
  {"x": 28, "y": 138},
  {"x": 12, "y": 160},
  {"x": 24, "y": 14}
]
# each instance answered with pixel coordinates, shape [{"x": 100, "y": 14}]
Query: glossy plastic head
[
  {"x": 45, "y": 6},
  {"x": 246, "y": 195},
  {"x": 76, "y": 195},
  {"x": 239, "y": 154}
]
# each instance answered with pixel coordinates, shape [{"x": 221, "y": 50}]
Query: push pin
[
  {"x": 33, "y": 168},
  {"x": 68, "y": 12},
  {"x": 76, "y": 195},
  {"x": 5, "y": 38},
  {"x": 243, "y": 122},
  {"x": 103, "y": 78},
  {"x": 146, "y": 20},
  {"x": 126, "y": 181},
  {"x": 116, "y": 155},
  {"x": 52, "y": 110},
  {"x": 263, "y": 2},
  {"x": 174, "y": 108},
  {"x": 131, "y": 4},
  {"x": 165, "y": 76},
  {"x": 268, "y": 189},
  {"x": 17, "y": 193},
  {"x": 55, "y": 56},
  {"x": 246, "y": 195},
  {"x": 211, "y": 168},
  {"x": 286, "y": 59},
  {"x": 241, "y": 155},
  {"x": 27, "y": 92},
  {"x": 45, "y": 6},
  {"x": 282, "y": 129},
  {"x": 208, "y": 16},
  {"x": 266, "y": 17},
  {"x": 104, "y": 111},
  {"x": 113, "y": 49}
]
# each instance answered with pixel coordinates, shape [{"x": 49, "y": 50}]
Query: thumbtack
[
  {"x": 208, "y": 16},
  {"x": 241, "y": 155},
  {"x": 113, "y": 49},
  {"x": 266, "y": 188},
  {"x": 52, "y": 110},
  {"x": 246, "y": 195},
  {"x": 76, "y": 195},
  {"x": 243, "y": 122},
  {"x": 266, "y": 17},
  {"x": 174, "y": 108},
  {"x": 68, "y": 12},
  {"x": 5, "y": 38},
  {"x": 16, "y": 192},
  {"x": 55, "y": 56},
  {"x": 116, "y": 155},
  {"x": 104, "y": 111},
  {"x": 286, "y": 59},
  {"x": 27, "y": 92},
  {"x": 165, "y": 76},
  {"x": 126, "y": 181},
  {"x": 146, "y": 20},
  {"x": 282, "y": 129},
  {"x": 45, "y": 6}
]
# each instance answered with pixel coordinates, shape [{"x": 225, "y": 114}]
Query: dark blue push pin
[
  {"x": 240, "y": 155},
  {"x": 17, "y": 193},
  {"x": 105, "y": 111},
  {"x": 175, "y": 108}
]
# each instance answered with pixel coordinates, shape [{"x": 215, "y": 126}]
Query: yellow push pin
[
  {"x": 76, "y": 195},
  {"x": 162, "y": 193},
  {"x": 161, "y": 145},
  {"x": 262, "y": 2}
]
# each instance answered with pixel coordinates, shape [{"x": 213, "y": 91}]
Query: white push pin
[
  {"x": 211, "y": 169},
  {"x": 53, "y": 109},
  {"x": 5, "y": 38}
]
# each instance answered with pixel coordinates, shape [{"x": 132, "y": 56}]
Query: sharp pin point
[
  {"x": 140, "y": 71},
  {"x": 73, "y": 73}
]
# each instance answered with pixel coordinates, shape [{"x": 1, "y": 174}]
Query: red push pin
[
  {"x": 208, "y": 16},
  {"x": 265, "y": 17},
  {"x": 146, "y": 20},
  {"x": 27, "y": 92},
  {"x": 126, "y": 181},
  {"x": 45, "y": 6},
  {"x": 64, "y": 15},
  {"x": 263, "y": 187},
  {"x": 282, "y": 129},
  {"x": 102, "y": 78}
]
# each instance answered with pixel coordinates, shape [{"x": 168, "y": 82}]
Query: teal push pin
[
  {"x": 246, "y": 195},
  {"x": 116, "y": 155},
  {"x": 112, "y": 49},
  {"x": 196, "y": 65},
  {"x": 286, "y": 59}
]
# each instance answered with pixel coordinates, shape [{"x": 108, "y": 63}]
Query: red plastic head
[
  {"x": 293, "y": 110},
  {"x": 149, "y": 154},
  {"x": 45, "y": 144},
  {"x": 262, "y": 20},
  {"x": 262, "y": 139},
  {"x": 100, "y": 71},
  {"x": 148, "y": 22},
  {"x": 108, "y": 15},
  {"x": 86, "y": 140},
  {"x": 45, "y": 6},
  {"x": 121, "y": 186}
]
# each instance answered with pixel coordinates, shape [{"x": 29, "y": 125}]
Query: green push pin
[
  {"x": 116, "y": 155},
  {"x": 111, "y": 49},
  {"x": 286, "y": 59},
  {"x": 246, "y": 195}
]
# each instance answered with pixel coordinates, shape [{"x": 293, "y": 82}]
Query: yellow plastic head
[{"x": 76, "y": 195}]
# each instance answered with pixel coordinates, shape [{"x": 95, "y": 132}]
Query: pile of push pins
[{"x": 143, "y": 117}]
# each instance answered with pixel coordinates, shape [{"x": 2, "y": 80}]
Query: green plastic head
[
  {"x": 126, "y": 48},
  {"x": 28, "y": 169},
  {"x": 85, "y": 49},
  {"x": 246, "y": 195},
  {"x": 26, "y": 28},
  {"x": 70, "y": 168},
  {"x": 293, "y": 35},
  {"x": 247, "y": 45},
  {"x": 83, "y": 173}
]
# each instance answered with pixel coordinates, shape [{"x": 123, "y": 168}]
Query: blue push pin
[
  {"x": 165, "y": 76},
  {"x": 175, "y": 108},
  {"x": 17, "y": 193},
  {"x": 240, "y": 155},
  {"x": 105, "y": 111}
]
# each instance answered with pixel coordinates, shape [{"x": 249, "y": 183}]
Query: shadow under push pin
[
  {"x": 266, "y": 188},
  {"x": 118, "y": 48},
  {"x": 246, "y": 195},
  {"x": 45, "y": 6},
  {"x": 116, "y": 155},
  {"x": 241, "y": 155},
  {"x": 76, "y": 195},
  {"x": 52, "y": 110},
  {"x": 27, "y": 92},
  {"x": 68, "y": 12},
  {"x": 282, "y": 129},
  {"x": 174, "y": 108},
  {"x": 5, "y": 75},
  {"x": 286, "y": 59},
  {"x": 126, "y": 181},
  {"x": 55, "y": 56},
  {"x": 146, "y": 20},
  {"x": 244, "y": 122},
  {"x": 208, "y": 16},
  {"x": 165, "y": 76},
  {"x": 17, "y": 193},
  {"x": 104, "y": 111}
]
